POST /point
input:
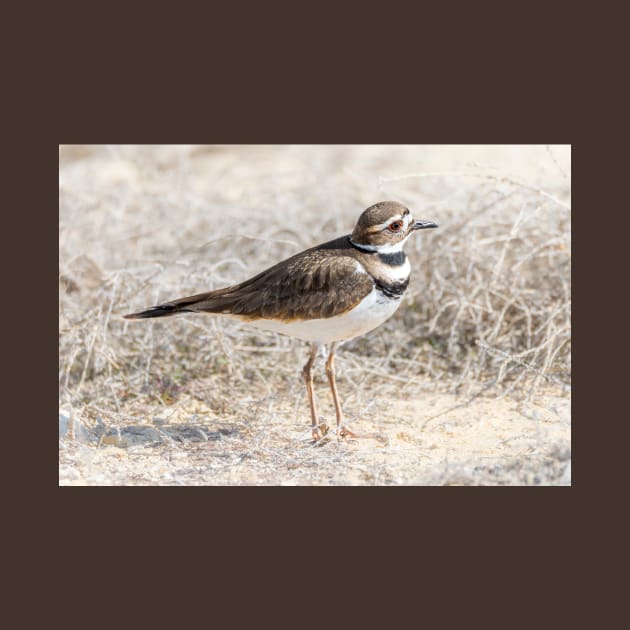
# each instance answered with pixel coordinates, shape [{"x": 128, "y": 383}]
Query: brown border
[{"x": 107, "y": 80}]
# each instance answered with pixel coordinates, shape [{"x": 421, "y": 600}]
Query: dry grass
[{"x": 487, "y": 312}]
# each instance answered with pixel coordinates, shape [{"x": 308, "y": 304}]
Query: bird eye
[{"x": 396, "y": 226}]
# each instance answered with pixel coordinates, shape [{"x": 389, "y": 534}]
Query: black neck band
[
  {"x": 395, "y": 259},
  {"x": 393, "y": 290}
]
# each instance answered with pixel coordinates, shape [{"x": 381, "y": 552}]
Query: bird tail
[
  {"x": 163, "y": 310},
  {"x": 190, "y": 304}
]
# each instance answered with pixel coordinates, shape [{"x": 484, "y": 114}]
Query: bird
[{"x": 324, "y": 295}]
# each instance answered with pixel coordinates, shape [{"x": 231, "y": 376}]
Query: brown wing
[
  {"x": 309, "y": 286},
  {"x": 320, "y": 282}
]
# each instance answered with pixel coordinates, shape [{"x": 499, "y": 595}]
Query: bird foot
[
  {"x": 344, "y": 432},
  {"x": 319, "y": 432}
]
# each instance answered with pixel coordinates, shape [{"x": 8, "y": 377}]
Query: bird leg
[
  {"x": 307, "y": 372},
  {"x": 342, "y": 430}
]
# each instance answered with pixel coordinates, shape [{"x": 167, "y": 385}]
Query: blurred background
[{"x": 487, "y": 311}]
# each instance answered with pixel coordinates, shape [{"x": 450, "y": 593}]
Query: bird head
[{"x": 385, "y": 226}]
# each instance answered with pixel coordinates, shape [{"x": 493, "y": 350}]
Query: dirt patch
[{"x": 431, "y": 439}]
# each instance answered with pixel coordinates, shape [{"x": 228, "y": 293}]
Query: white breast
[
  {"x": 400, "y": 273},
  {"x": 371, "y": 312}
]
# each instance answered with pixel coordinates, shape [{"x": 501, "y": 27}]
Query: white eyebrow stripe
[{"x": 382, "y": 226}]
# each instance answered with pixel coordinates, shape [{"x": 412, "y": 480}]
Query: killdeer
[{"x": 324, "y": 295}]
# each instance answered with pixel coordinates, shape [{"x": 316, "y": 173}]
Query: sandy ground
[{"x": 430, "y": 439}]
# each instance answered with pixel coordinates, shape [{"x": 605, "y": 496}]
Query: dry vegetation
[{"x": 470, "y": 380}]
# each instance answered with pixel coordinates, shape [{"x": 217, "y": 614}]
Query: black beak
[{"x": 423, "y": 225}]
